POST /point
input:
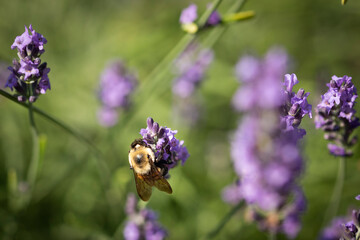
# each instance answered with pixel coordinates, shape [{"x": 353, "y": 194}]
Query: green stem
[
  {"x": 336, "y": 195},
  {"x": 225, "y": 220},
  {"x": 219, "y": 30},
  {"x": 153, "y": 80},
  {"x": 272, "y": 235},
  {"x": 34, "y": 163},
  {"x": 72, "y": 171},
  {"x": 167, "y": 61},
  {"x": 103, "y": 168},
  {"x": 52, "y": 119},
  {"x": 236, "y": 6}
]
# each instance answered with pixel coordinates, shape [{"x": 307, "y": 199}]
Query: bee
[{"x": 148, "y": 170}]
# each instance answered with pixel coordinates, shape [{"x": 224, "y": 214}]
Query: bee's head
[{"x": 140, "y": 157}]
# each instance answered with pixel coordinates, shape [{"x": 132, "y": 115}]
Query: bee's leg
[{"x": 162, "y": 168}]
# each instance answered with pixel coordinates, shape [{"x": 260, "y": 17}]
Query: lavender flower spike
[
  {"x": 116, "y": 86},
  {"x": 28, "y": 76},
  {"x": 334, "y": 230},
  {"x": 189, "y": 16},
  {"x": 164, "y": 143},
  {"x": 335, "y": 114},
  {"x": 265, "y": 148},
  {"x": 190, "y": 69},
  {"x": 142, "y": 223}
]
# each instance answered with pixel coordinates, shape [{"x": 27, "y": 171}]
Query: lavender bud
[
  {"x": 155, "y": 127},
  {"x": 294, "y": 108},
  {"x": 330, "y": 136},
  {"x": 42, "y": 66},
  {"x": 300, "y": 93},
  {"x": 32, "y": 99},
  {"x": 349, "y": 85},
  {"x": 333, "y": 84},
  {"x": 37, "y": 61},
  {"x": 150, "y": 122},
  {"x": 161, "y": 132},
  {"x": 21, "y": 98}
]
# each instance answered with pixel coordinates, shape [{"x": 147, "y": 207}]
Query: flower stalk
[
  {"x": 34, "y": 163},
  {"x": 333, "y": 207},
  {"x": 225, "y": 220}
]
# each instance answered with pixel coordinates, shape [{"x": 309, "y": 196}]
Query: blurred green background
[{"x": 70, "y": 201}]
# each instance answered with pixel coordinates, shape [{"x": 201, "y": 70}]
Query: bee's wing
[
  {"x": 159, "y": 181},
  {"x": 163, "y": 185},
  {"x": 143, "y": 188}
]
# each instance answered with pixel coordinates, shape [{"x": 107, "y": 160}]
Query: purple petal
[{"x": 189, "y": 14}]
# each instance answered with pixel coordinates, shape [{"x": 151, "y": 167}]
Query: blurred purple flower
[
  {"x": 190, "y": 69},
  {"x": 142, "y": 223},
  {"x": 248, "y": 68},
  {"x": 107, "y": 117},
  {"x": 116, "y": 86},
  {"x": 343, "y": 228},
  {"x": 259, "y": 75},
  {"x": 333, "y": 231},
  {"x": 291, "y": 226},
  {"x": 28, "y": 76},
  {"x": 44, "y": 83},
  {"x": 265, "y": 147},
  {"x": 335, "y": 114},
  {"x": 214, "y": 19},
  {"x": 131, "y": 231},
  {"x": 189, "y": 15},
  {"x": 164, "y": 143},
  {"x": 232, "y": 194}
]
